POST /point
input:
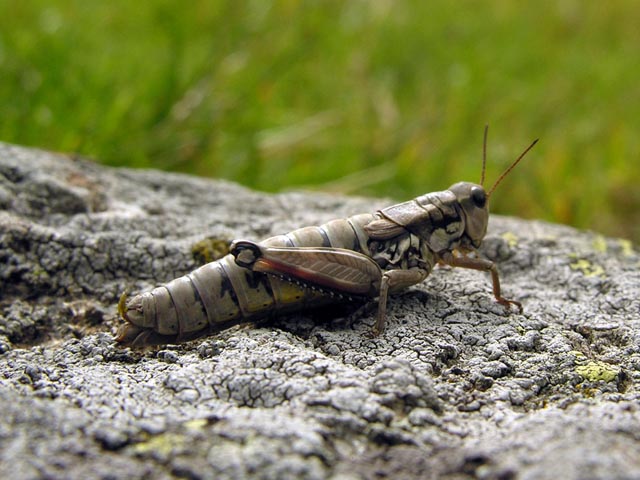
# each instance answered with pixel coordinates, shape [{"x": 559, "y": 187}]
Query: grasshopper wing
[{"x": 336, "y": 269}]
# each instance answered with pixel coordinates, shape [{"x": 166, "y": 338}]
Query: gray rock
[{"x": 454, "y": 388}]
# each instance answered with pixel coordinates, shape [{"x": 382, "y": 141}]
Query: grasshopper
[{"x": 365, "y": 256}]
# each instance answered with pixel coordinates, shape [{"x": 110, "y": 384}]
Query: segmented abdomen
[{"x": 221, "y": 294}]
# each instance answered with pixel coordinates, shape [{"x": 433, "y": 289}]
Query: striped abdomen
[{"x": 221, "y": 294}]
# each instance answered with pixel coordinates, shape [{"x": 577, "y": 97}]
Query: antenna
[
  {"x": 510, "y": 168},
  {"x": 484, "y": 153}
]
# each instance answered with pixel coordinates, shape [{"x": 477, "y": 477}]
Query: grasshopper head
[
  {"x": 474, "y": 200},
  {"x": 474, "y": 203}
]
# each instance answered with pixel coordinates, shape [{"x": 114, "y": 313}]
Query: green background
[{"x": 383, "y": 98}]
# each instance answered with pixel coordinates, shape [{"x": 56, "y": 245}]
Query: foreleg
[{"x": 485, "y": 266}]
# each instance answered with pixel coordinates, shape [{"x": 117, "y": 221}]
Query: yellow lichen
[
  {"x": 122, "y": 304},
  {"x": 580, "y": 358},
  {"x": 511, "y": 239},
  {"x": 163, "y": 444},
  {"x": 600, "y": 244},
  {"x": 594, "y": 371},
  {"x": 588, "y": 268},
  {"x": 627, "y": 247},
  {"x": 209, "y": 249},
  {"x": 196, "y": 424}
]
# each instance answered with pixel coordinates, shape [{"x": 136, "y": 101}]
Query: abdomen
[{"x": 221, "y": 294}]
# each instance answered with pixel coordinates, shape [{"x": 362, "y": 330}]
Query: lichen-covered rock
[{"x": 455, "y": 387}]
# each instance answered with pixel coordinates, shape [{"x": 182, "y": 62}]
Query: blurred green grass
[{"x": 384, "y": 98}]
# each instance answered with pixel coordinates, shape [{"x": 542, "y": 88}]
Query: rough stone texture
[{"x": 454, "y": 388}]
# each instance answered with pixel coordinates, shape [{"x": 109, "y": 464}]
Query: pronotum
[{"x": 365, "y": 256}]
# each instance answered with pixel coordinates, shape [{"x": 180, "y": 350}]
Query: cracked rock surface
[{"x": 455, "y": 387}]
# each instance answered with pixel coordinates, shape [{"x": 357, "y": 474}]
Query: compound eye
[{"x": 479, "y": 197}]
